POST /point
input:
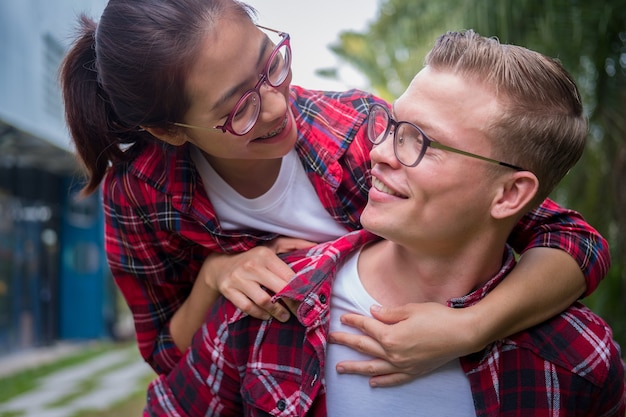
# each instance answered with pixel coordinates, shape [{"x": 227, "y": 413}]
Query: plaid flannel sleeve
[
  {"x": 206, "y": 381},
  {"x": 553, "y": 226},
  {"x": 153, "y": 270}
]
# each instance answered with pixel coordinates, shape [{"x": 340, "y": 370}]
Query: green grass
[
  {"x": 88, "y": 385},
  {"x": 130, "y": 407},
  {"x": 16, "y": 384}
]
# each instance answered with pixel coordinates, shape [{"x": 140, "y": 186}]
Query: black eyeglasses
[
  {"x": 409, "y": 142},
  {"x": 245, "y": 114}
]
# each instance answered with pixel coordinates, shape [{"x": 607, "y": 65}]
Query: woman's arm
[
  {"x": 553, "y": 226},
  {"x": 155, "y": 269},
  {"x": 247, "y": 279},
  {"x": 415, "y": 339},
  {"x": 544, "y": 283}
]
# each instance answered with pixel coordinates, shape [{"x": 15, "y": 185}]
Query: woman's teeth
[{"x": 277, "y": 130}]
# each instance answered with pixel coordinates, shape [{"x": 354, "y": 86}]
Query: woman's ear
[
  {"x": 174, "y": 137},
  {"x": 515, "y": 194}
]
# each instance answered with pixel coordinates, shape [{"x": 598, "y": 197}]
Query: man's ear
[
  {"x": 515, "y": 194},
  {"x": 172, "y": 136}
]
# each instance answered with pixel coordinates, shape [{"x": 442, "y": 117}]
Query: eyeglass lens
[
  {"x": 246, "y": 112},
  {"x": 408, "y": 142}
]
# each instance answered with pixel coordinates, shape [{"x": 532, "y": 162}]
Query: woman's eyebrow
[{"x": 234, "y": 90}]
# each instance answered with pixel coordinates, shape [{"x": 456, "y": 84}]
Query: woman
[{"x": 184, "y": 112}]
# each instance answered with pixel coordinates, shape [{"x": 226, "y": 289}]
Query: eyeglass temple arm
[
  {"x": 196, "y": 127},
  {"x": 471, "y": 155},
  {"x": 270, "y": 29}
]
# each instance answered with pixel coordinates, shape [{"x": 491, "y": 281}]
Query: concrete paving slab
[
  {"x": 34, "y": 357},
  {"x": 117, "y": 375}
]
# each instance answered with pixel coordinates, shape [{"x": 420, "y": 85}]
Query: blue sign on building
[{"x": 86, "y": 289}]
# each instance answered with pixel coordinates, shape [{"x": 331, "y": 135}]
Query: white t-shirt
[
  {"x": 444, "y": 392},
  {"x": 290, "y": 208}
]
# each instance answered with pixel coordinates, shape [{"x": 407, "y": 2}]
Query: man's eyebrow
[
  {"x": 234, "y": 90},
  {"x": 422, "y": 125}
]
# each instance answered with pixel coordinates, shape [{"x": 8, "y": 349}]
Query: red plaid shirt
[
  {"x": 160, "y": 224},
  {"x": 241, "y": 366}
]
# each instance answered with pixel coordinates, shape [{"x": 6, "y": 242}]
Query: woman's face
[{"x": 232, "y": 57}]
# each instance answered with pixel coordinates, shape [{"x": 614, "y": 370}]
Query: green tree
[{"x": 587, "y": 36}]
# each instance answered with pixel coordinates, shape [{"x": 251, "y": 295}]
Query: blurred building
[{"x": 54, "y": 282}]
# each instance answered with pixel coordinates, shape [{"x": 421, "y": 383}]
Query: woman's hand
[
  {"x": 407, "y": 341},
  {"x": 249, "y": 279}
]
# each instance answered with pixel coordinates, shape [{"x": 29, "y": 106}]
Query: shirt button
[
  {"x": 281, "y": 405},
  {"x": 323, "y": 298}
]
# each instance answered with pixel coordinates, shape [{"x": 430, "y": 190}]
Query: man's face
[{"x": 445, "y": 200}]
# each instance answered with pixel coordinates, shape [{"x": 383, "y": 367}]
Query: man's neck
[{"x": 396, "y": 275}]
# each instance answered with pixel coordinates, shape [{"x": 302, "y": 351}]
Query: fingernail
[
  {"x": 340, "y": 369},
  {"x": 375, "y": 307},
  {"x": 284, "y": 316}
]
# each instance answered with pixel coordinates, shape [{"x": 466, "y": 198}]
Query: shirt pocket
[{"x": 266, "y": 393}]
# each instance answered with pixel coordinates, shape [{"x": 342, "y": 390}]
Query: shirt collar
[
  {"x": 508, "y": 262},
  {"x": 316, "y": 267}
]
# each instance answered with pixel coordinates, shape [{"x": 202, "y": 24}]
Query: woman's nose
[{"x": 273, "y": 101}]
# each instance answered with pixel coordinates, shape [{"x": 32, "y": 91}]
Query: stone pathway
[{"x": 95, "y": 384}]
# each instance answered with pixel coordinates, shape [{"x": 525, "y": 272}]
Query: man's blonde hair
[{"x": 542, "y": 126}]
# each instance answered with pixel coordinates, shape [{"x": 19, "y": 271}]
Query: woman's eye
[{"x": 240, "y": 110}]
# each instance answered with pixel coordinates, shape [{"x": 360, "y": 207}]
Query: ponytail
[{"x": 93, "y": 126}]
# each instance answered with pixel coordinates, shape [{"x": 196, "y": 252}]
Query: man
[{"x": 482, "y": 135}]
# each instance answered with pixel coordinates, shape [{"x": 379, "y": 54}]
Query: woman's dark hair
[{"x": 128, "y": 71}]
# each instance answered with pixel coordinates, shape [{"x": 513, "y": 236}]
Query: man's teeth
[
  {"x": 277, "y": 130},
  {"x": 378, "y": 184}
]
